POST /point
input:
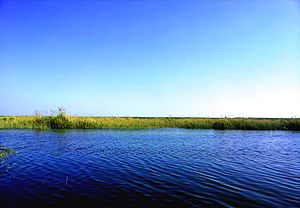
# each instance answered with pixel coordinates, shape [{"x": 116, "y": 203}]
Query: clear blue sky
[{"x": 151, "y": 58}]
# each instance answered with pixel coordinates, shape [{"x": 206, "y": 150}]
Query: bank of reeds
[{"x": 75, "y": 122}]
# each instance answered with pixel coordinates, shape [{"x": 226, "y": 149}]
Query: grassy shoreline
[{"x": 78, "y": 122}]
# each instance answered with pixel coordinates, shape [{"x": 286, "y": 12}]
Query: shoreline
[{"x": 89, "y": 122}]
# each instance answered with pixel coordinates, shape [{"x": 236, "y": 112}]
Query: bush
[
  {"x": 293, "y": 125},
  {"x": 218, "y": 125},
  {"x": 60, "y": 122}
]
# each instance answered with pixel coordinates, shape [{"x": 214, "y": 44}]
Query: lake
[{"x": 150, "y": 168}]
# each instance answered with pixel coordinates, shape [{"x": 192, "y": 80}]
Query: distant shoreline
[{"x": 84, "y": 122}]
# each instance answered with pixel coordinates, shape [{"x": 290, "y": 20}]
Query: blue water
[{"x": 150, "y": 168}]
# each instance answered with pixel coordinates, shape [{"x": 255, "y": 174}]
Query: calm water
[{"x": 151, "y": 168}]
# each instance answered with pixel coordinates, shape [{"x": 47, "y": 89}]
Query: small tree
[
  {"x": 61, "y": 120},
  {"x": 37, "y": 114},
  {"x": 62, "y": 111}
]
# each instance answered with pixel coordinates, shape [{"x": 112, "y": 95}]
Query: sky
[{"x": 151, "y": 58}]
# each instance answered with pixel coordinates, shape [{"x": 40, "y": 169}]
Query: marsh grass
[{"x": 62, "y": 121}]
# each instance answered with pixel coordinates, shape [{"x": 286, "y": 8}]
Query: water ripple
[{"x": 151, "y": 168}]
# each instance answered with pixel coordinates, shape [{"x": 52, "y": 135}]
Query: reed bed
[{"x": 78, "y": 122}]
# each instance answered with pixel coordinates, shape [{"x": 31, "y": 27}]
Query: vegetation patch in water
[{"x": 6, "y": 151}]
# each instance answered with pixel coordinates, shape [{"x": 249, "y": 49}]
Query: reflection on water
[{"x": 151, "y": 168}]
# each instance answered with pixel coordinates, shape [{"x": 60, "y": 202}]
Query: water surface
[{"x": 150, "y": 168}]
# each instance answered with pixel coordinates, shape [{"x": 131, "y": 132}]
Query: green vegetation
[
  {"x": 6, "y": 151},
  {"x": 62, "y": 121}
]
